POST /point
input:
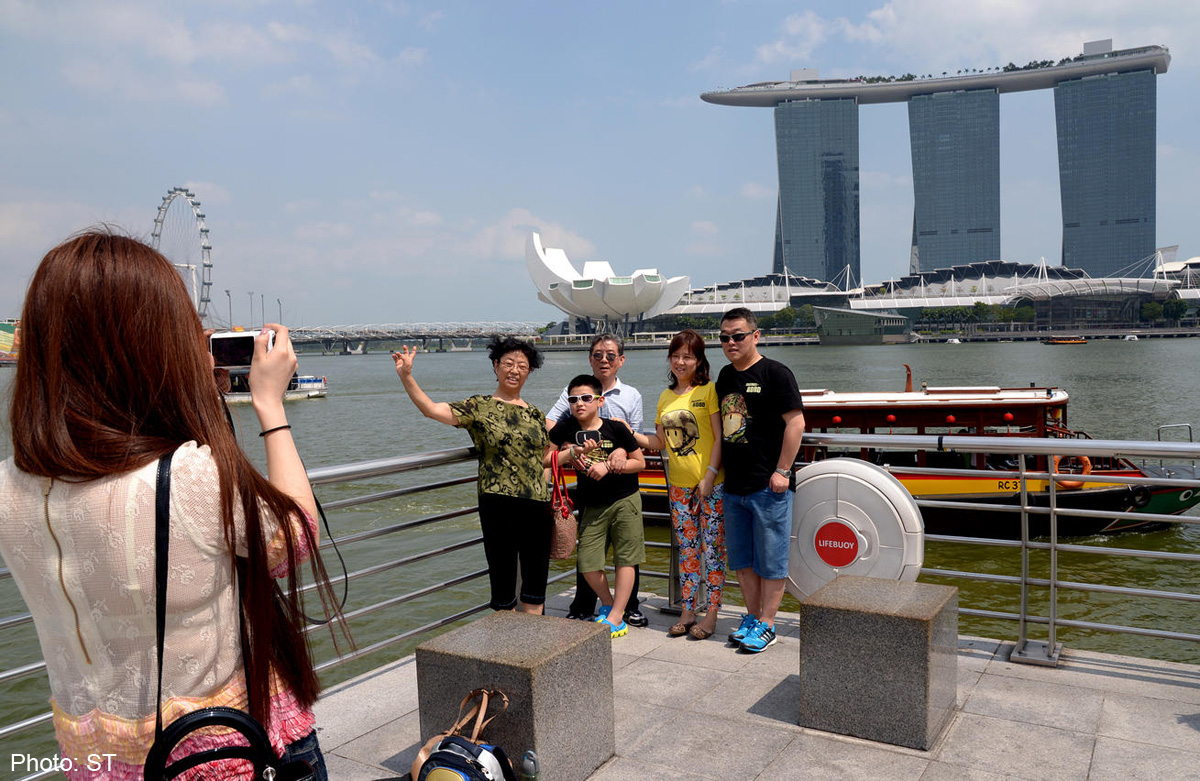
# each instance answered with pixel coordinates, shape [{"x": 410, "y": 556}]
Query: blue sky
[{"x": 375, "y": 162}]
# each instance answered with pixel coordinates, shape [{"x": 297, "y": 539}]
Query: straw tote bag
[{"x": 564, "y": 529}]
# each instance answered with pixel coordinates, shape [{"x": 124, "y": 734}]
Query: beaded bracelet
[{"x": 277, "y": 428}]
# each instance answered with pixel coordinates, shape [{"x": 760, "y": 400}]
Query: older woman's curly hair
[{"x": 501, "y": 345}]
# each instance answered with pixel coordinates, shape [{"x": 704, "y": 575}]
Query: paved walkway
[{"x": 700, "y": 710}]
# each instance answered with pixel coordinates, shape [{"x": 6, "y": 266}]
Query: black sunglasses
[
  {"x": 738, "y": 337},
  {"x": 602, "y": 356},
  {"x": 586, "y": 398}
]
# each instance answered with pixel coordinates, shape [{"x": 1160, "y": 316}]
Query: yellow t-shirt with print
[{"x": 687, "y": 429}]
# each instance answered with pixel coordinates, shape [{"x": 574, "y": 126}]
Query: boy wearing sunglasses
[
  {"x": 762, "y": 417},
  {"x": 621, "y": 402},
  {"x": 610, "y": 505}
]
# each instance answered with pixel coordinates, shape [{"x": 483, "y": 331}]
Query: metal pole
[
  {"x": 262, "y": 309},
  {"x": 1022, "y": 630},
  {"x": 277, "y": 301},
  {"x": 229, "y": 296},
  {"x": 251, "y": 323}
]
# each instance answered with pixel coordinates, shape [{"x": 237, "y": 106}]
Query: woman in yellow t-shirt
[{"x": 688, "y": 433}]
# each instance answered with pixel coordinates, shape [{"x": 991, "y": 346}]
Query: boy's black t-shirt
[
  {"x": 600, "y": 493},
  {"x": 752, "y": 406}
]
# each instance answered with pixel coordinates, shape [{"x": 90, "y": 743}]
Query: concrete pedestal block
[
  {"x": 557, "y": 674},
  {"x": 878, "y": 659}
]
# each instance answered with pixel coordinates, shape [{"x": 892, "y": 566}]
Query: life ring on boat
[{"x": 1087, "y": 470}]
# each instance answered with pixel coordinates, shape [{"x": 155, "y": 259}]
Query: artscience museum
[{"x": 599, "y": 293}]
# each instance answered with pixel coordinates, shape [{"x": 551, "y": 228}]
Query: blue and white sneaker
[
  {"x": 738, "y": 635},
  {"x": 758, "y": 638},
  {"x": 603, "y": 614}
]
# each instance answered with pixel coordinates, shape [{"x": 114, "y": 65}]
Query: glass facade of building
[
  {"x": 1106, "y": 169},
  {"x": 816, "y": 229},
  {"x": 955, "y": 139}
]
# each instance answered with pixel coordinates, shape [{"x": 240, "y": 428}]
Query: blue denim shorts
[
  {"x": 758, "y": 532},
  {"x": 308, "y": 748}
]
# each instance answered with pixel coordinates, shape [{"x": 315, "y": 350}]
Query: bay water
[{"x": 1118, "y": 389}]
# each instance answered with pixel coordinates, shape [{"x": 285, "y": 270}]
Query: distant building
[
  {"x": 1106, "y": 170},
  {"x": 816, "y": 226},
  {"x": 1105, "y": 104},
  {"x": 955, "y": 138},
  {"x": 599, "y": 293}
]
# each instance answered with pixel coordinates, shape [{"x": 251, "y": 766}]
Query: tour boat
[
  {"x": 301, "y": 386},
  {"x": 990, "y": 479},
  {"x": 993, "y": 479},
  {"x": 1065, "y": 340}
]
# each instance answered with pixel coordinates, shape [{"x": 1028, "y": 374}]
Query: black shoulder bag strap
[{"x": 162, "y": 539}]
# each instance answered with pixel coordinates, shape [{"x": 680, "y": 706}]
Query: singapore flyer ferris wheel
[{"x": 182, "y": 237}]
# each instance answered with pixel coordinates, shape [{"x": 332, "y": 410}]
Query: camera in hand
[{"x": 236, "y": 348}]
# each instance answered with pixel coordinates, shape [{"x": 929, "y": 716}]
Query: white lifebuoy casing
[{"x": 850, "y": 516}]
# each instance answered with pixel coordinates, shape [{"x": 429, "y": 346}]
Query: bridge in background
[{"x": 441, "y": 337}]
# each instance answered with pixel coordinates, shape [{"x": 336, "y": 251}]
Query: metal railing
[{"x": 1030, "y": 650}]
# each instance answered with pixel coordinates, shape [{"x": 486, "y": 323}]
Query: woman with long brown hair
[{"x": 114, "y": 373}]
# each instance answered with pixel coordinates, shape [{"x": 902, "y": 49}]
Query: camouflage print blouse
[{"x": 511, "y": 441}]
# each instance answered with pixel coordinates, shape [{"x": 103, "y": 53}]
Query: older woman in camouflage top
[{"x": 514, "y": 501}]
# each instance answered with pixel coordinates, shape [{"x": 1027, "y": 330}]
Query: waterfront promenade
[{"x": 700, "y": 710}]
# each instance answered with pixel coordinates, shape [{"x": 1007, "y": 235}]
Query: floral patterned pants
[{"x": 699, "y": 531}]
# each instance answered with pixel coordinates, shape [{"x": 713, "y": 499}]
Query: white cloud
[
  {"x": 305, "y": 205},
  {"x": 323, "y": 231},
  {"x": 412, "y": 56},
  {"x": 209, "y": 193},
  {"x": 505, "y": 239},
  {"x": 803, "y": 33},
  {"x": 714, "y": 60},
  {"x": 756, "y": 190},
  {"x": 429, "y": 22},
  {"x": 934, "y": 35},
  {"x": 704, "y": 228},
  {"x": 703, "y": 248},
  {"x": 300, "y": 84}
]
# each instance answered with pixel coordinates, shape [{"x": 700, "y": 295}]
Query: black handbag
[{"x": 258, "y": 750}]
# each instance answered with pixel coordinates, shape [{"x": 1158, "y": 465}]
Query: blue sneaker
[
  {"x": 739, "y": 634},
  {"x": 758, "y": 638},
  {"x": 603, "y": 614}
]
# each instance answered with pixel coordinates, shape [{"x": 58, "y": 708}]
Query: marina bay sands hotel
[{"x": 1105, "y": 104}]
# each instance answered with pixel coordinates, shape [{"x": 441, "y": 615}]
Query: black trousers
[
  {"x": 585, "y": 599},
  {"x": 516, "y": 532}
]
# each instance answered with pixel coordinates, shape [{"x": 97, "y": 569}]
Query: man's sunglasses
[
  {"x": 586, "y": 398},
  {"x": 610, "y": 357},
  {"x": 738, "y": 337}
]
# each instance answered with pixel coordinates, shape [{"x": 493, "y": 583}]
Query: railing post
[{"x": 1044, "y": 654}]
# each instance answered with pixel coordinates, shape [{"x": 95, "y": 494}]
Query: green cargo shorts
[{"x": 620, "y": 523}]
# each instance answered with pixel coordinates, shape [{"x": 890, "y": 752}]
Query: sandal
[
  {"x": 618, "y": 630},
  {"x": 699, "y": 632},
  {"x": 680, "y": 629}
]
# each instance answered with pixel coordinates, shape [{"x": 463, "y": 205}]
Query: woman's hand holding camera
[{"x": 271, "y": 368}]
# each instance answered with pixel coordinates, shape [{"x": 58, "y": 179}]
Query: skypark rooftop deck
[{"x": 769, "y": 94}]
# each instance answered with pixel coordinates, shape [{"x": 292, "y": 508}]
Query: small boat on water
[
  {"x": 1130, "y": 337},
  {"x": 1065, "y": 340},
  {"x": 302, "y": 386},
  {"x": 991, "y": 479}
]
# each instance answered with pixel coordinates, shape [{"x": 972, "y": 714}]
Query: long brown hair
[
  {"x": 695, "y": 343},
  {"x": 113, "y": 374}
]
